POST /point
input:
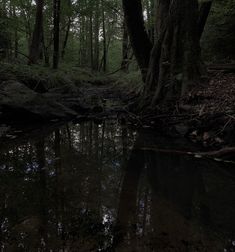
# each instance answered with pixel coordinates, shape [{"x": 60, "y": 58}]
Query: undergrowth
[
  {"x": 38, "y": 76},
  {"x": 41, "y": 78},
  {"x": 129, "y": 82}
]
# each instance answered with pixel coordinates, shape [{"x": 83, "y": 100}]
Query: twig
[
  {"x": 224, "y": 127},
  {"x": 133, "y": 115}
]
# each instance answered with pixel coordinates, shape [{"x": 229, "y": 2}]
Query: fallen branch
[
  {"x": 219, "y": 153},
  {"x": 211, "y": 154},
  {"x": 230, "y": 68}
]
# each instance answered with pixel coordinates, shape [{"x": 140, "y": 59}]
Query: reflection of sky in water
[{"x": 83, "y": 186}]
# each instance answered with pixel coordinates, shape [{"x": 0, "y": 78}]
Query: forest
[
  {"x": 157, "y": 58},
  {"x": 117, "y": 125}
]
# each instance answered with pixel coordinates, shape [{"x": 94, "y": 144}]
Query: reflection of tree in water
[
  {"x": 172, "y": 211},
  {"x": 61, "y": 192},
  {"x": 66, "y": 191}
]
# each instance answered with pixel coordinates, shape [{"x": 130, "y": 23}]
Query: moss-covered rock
[{"x": 18, "y": 102}]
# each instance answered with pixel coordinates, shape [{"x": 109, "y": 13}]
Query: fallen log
[
  {"x": 219, "y": 153},
  {"x": 228, "y": 68},
  {"x": 211, "y": 154}
]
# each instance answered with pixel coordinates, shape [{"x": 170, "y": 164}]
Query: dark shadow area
[{"x": 100, "y": 187}]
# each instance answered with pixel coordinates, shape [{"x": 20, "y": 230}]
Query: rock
[
  {"x": 19, "y": 102},
  {"x": 97, "y": 109},
  {"x": 39, "y": 86},
  {"x": 69, "y": 96},
  {"x": 66, "y": 89},
  {"x": 181, "y": 129},
  {"x": 4, "y": 129},
  {"x": 75, "y": 104},
  {"x": 206, "y": 136}
]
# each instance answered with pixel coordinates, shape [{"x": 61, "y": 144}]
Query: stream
[{"x": 101, "y": 186}]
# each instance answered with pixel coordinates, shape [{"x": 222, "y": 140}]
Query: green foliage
[
  {"x": 218, "y": 39},
  {"x": 130, "y": 82},
  {"x": 35, "y": 75},
  {"x": 4, "y": 35},
  {"x": 115, "y": 57},
  {"x": 86, "y": 35}
]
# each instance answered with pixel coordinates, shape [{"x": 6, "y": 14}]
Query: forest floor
[{"x": 205, "y": 116}]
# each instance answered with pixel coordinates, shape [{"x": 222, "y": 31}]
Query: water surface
[{"x": 104, "y": 187}]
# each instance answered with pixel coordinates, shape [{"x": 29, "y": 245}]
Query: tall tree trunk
[
  {"x": 82, "y": 41},
  {"x": 86, "y": 41},
  {"x": 203, "y": 15},
  {"x": 67, "y": 31},
  {"x": 91, "y": 38},
  {"x": 45, "y": 52},
  {"x": 139, "y": 39},
  {"x": 96, "y": 35},
  {"x": 150, "y": 18},
  {"x": 66, "y": 38},
  {"x": 15, "y": 34},
  {"x": 104, "y": 39},
  {"x": 37, "y": 34},
  {"x": 125, "y": 48},
  {"x": 175, "y": 59},
  {"x": 56, "y": 21}
]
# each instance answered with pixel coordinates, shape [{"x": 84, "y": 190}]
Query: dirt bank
[{"x": 205, "y": 116}]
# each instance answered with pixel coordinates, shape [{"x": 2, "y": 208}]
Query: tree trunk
[
  {"x": 82, "y": 40},
  {"x": 56, "y": 21},
  {"x": 175, "y": 59},
  {"x": 45, "y": 52},
  {"x": 37, "y": 34},
  {"x": 139, "y": 39},
  {"x": 125, "y": 48},
  {"x": 66, "y": 38},
  {"x": 150, "y": 18},
  {"x": 96, "y": 35},
  {"x": 203, "y": 15},
  {"x": 16, "y": 35},
  {"x": 69, "y": 3},
  {"x": 104, "y": 39},
  {"x": 91, "y": 38}
]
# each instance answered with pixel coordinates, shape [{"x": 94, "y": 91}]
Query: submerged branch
[{"x": 210, "y": 154}]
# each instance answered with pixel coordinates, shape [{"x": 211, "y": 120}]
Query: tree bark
[
  {"x": 96, "y": 36},
  {"x": 66, "y": 38},
  {"x": 69, "y": 3},
  {"x": 175, "y": 59},
  {"x": 91, "y": 38},
  {"x": 104, "y": 39},
  {"x": 45, "y": 52},
  {"x": 37, "y": 34},
  {"x": 125, "y": 48},
  {"x": 203, "y": 15},
  {"x": 139, "y": 39},
  {"x": 16, "y": 46},
  {"x": 56, "y": 21}
]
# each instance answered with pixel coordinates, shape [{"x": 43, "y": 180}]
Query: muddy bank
[
  {"x": 33, "y": 94},
  {"x": 20, "y": 103},
  {"x": 205, "y": 116},
  {"x": 24, "y": 111}
]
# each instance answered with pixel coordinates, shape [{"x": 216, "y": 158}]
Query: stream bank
[{"x": 204, "y": 116}]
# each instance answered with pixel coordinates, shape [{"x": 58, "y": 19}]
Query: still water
[{"x": 104, "y": 187}]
